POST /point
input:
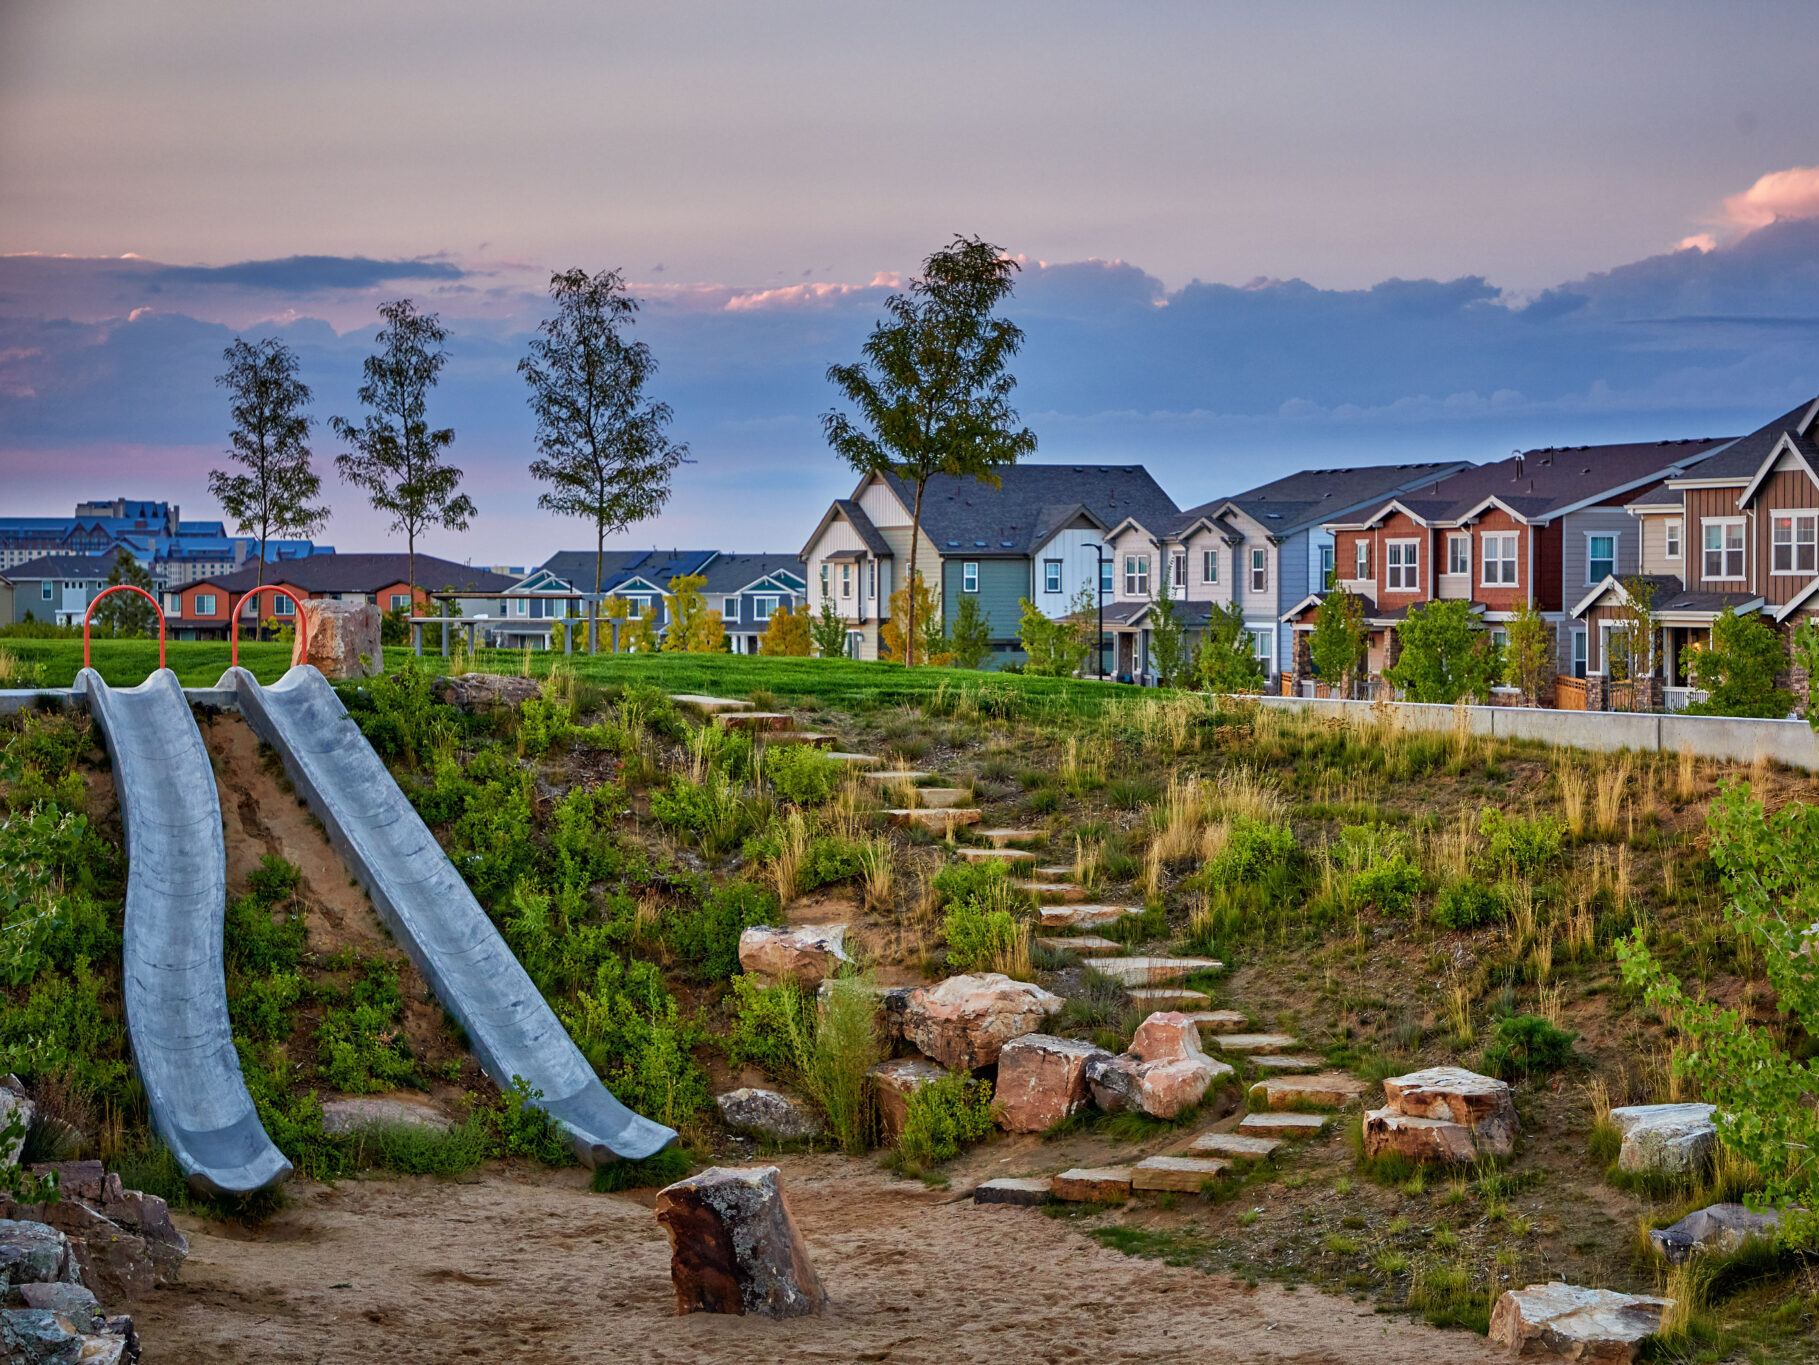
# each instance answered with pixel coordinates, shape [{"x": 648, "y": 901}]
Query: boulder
[
  {"x": 343, "y": 639},
  {"x": 1093, "y": 1185},
  {"x": 48, "y": 1336},
  {"x": 78, "y": 1179},
  {"x": 1042, "y": 1080},
  {"x": 34, "y": 1253},
  {"x": 1717, "y": 1229},
  {"x": 1482, "y": 1104},
  {"x": 483, "y": 691},
  {"x": 1162, "y": 1088},
  {"x": 74, "y": 1301},
  {"x": 766, "y": 1114},
  {"x": 124, "y": 1253},
  {"x": 1665, "y": 1139},
  {"x": 734, "y": 1247},
  {"x": 965, "y": 1021},
  {"x": 896, "y": 1082},
  {"x": 810, "y": 953},
  {"x": 1023, "y": 1190},
  {"x": 15, "y": 1107},
  {"x": 1573, "y": 1323},
  {"x": 379, "y": 1111},
  {"x": 1387, "y": 1132}
]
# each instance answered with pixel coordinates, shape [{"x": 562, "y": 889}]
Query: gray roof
[
  {"x": 862, "y": 523},
  {"x": 1745, "y": 455},
  {"x": 730, "y": 573},
  {"x": 966, "y": 517},
  {"x": 66, "y": 566},
  {"x": 365, "y": 573},
  {"x": 1312, "y": 496},
  {"x": 576, "y": 567}
]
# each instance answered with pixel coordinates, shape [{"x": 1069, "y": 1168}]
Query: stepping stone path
[
  {"x": 1290, "y": 1126},
  {"x": 819, "y": 741},
  {"x": 853, "y": 760},
  {"x": 1167, "y": 998},
  {"x": 998, "y": 838},
  {"x": 1077, "y": 916},
  {"x": 1024, "y": 1190},
  {"x": 1331, "y": 1089},
  {"x": 1054, "y": 891},
  {"x": 1234, "y": 1146},
  {"x": 1152, "y": 971},
  {"x": 941, "y": 798},
  {"x": 711, "y": 705},
  {"x": 1255, "y": 1042},
  {"x": 755, "y": 720},
  {"x": 1087, "y": 943},
  {"x": 1282, "y": 1063},
  {"x": 901, "y": 777},
  {"x": 1444, "y": 1113},
  {"x": 1181, "y": 1174},
  {"x": 1006, "y": 856},
  {"x": 734, "y": 714},
  {"x": 943, "y": 822},
  {"x": 1093, "y": 1185},
  {"x": 1222, "y": 1021},
  {"x": 1054, "y": 874}
]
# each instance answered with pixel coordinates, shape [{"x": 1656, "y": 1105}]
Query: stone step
[
  {"x": 1057, "y": 873},
  {"x": 1092, "y": 1185},
  {"x": 941, "y": 821},
  {"x": 1234, "y": 1146},
  {"x": 711, "y": 705},
  {"x": 1152, "y": 971},
  {"x": 1154, "y": 998},
  {"x": 1079, "y": 916},
  {"x": 1256, "y": 1042},
  {"x": 942, "y": 798},
  {"x": 1024, "y": 1190},
  {"x": 819, "y": 741},
  {"x": 1086, "y": 943},
  {"x": 1052, "y": 892},
  {"x": 1181, "y": 1174},
  {"x": 999, "y": 838},
  {"x": 1328, "y": 1090},
  {"x": 755, "y": 720},
  {"x": 1221, "y": 1021},
  {"x": 854, "y": 760},
  {"x": 1290, "y": 1126},
  {"x": 1284, "y": 1063},
  {"x": 996, "y": 855},
  {"x": 898, "y": 776}
]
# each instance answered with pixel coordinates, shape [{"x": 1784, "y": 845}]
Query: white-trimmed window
[
  {"x": 1108, "y": 575},
  {"x": 871, "y": 578},
  {"x": 1723, "y": 540},
  {"x": 1459, "y": 554},
  {"x": 1600, "y": 557},
  {"x": 762, "y": 607},
  {"x": 1265, "y": 641},
  {"x": 1499, "y": 559},
  {"x": 1579, "y": 648},
  {"x": 846, "y": 579},
  {"x": 205, "y": 604},
  {"x": 1178, "y": 563},
  {"x": 1673, "y": 537},
  {"x": 1326, "y": 566},
  {"x": 400, "y": 599},
  {"x": 283, "y": 606},
  {"x": 855, "y": 643},
  {"x": 1051, "y": 575},
  {"x": 1363, "y": 548},
  {"x": 1209, "y": 566},
  {"x": 48, "y": 589},
  {"x": 1500, "y": 638},
  {"x": 825, "y": 587},
  {"x": 1793, "y": 542},
  {"x": 969, "y": 576},
  {"x": 1136, "y": 575},
  {"x": 731, "y": 610},
  {"x": 1404, "y": 561},
  {"x": 1260, "y": 574}
]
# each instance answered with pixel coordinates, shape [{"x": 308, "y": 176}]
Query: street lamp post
[{"x": 1099, "y": 642}]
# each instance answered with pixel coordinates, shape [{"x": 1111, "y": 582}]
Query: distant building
[
  {"x": 202, "y": 609},
  {"x": 57, "y": 588},
  {"x": 171, "y": 550}
]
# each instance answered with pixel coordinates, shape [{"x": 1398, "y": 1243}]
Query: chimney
[{"x": 1518, "y": 469}]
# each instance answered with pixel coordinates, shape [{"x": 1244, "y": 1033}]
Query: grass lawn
[{"x": 125, "y": 663}]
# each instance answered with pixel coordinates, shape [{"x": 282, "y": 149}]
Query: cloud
[
  {"x": 1793, "y": 193},
  {"x": 307, "y": 274}
]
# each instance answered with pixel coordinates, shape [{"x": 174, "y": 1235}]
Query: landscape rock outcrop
[
  {"x": 896, "y": 1082},
  {"x": 734, "y": 1247},
  {"x": 766, "y": 1114},
  {"x": 1665, "y": 1139},
  {"x": 1572, "y": 1323},
  {"x": 341, "y": 639},
  {"x": 1444, "y": 1113},
  {"x": 354, "y": 1113},
  {"x": 1717, "y": 1229},
  {"x": 16, "y": 1107},
  {"x": 47, "y": 1314},
  {"x": 810, "y": 954},
  {"x": 123, "y": 1242},
  {"x": 1164, "y": 1073},
  {"x": 1042, "y": 1080},
  {"x": 965, "y": 1021},
  {"x": 483, "y": 691}
]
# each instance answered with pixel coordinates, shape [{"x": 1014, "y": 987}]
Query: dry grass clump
[
  {"x": 1612, "y": 787},
  {"x": 877, "y": 861},
  {"x": 1573, "y": 790},
  {"x": 1089, "y": 861},
  {"x": 792, "y": 848},
  {"x": 1246, "y": 793}
]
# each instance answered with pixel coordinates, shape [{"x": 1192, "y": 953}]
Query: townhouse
[
  {"x": 58, "y": 588},
  {"x": 1535, "y": 530},
  {"x": 1041, "y": 535}
]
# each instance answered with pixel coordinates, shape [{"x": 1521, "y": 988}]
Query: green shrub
[
  {"x": 514, "y": 1126},
  {"x": 1390, "y": 885},
  {"x": 829, "y": 858},
  {"x": 1525, "y": 1045},
  {"x": 707, "y": 936},
  {"x": 1468, "y": 904},
  {"x": 630, "y": 1031},
  {"x": 978, "y": 935},
  {"x": 846, "y": 1047},
  {"x": 986, "y": 883},
  {"x": 361, "y": 1044},
  {"x": 543, "y": 725},
  {"x": 943, "y": 1115},
  {"x": 772, "y": 1026},
  {"x": 1525, "y": 847},
  {"x": 1253, "y": 849},
  {"x": 802, "y": 774}
]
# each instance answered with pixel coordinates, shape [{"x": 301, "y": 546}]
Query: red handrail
[
  {"x": 233, "y": 622},
  {"x": 123, "y": 587}
]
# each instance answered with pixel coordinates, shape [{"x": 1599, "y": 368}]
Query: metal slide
[
  {"x": 511, "y": 1029},
  {"x": 171, "y": 966}
]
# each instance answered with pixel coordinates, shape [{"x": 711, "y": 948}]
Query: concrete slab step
[
  {"x": 1234, "y": 1146},
  {"x": 755, "y": 720},
  {"x": 700, "y": 701},
  {"x": 819, "y": 741},
  {"x": 1026, "y": 1190},
  {"x": 1053, "y": 892},
  {"x": 1221, "y": 1021},
  {"x": 1092, "y": 1185},
  {"x": 1167, "y": 998},
  {"x": 1286, "y": 1063},
  {"x": 854, "y": 760},
  {"x": 1293, "y": 1127},
  {"x": 1182, "y": 1174},
  {"x": 898, "y": 776},
  {"x": 1079, "y": 916},
  {"x": 1086, "y": 943},
  {"x": 1327, "y": 1090},
  {"x": 1001, "y": 838},
  {"x": 1256, "y": 1042},
  {"x": 996, "y": 855},
  {"x": 941, "y": 821},
  {"x": 1152, "y": 971},
  {"x": 941, "y": 798},
  {"x": 1057, "y": 872}
]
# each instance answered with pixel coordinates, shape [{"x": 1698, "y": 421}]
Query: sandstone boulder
[
  {"x": 1483, "y": 1104},
  {"x": 734, "y": 1247},
  {"x": 1327, "y": 1090},
  {"x": 1177, "y": 1174},
  {"x": 1093, "y": 1185},
  {"x": 766, "y": 1114},
  {"x": 1387, "y": 1132},
  {"x": 343, "y": 639},
  {"x": 1717, "y": 1229},
  {"x": 1573, "y": 1323},
  {"x": 896, "y": 1082},
  {"x": 965, "y": 1021},
  {"x": 1665, "y": 1139},
  {"x": 1042, "y": 1080},
  {"x": 1164, "y": 1073},
  {"x": 483, "y": 691},
  {"x": 810, "y": 953},
  {"x": 379, "y": 1111}
]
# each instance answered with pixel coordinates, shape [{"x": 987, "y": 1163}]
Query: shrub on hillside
[
  {"x": 801, "y": 773},
  {"x": 707, "y": 935},
  {"x": 1526, "y": 847},
  {"x": 942, "y": 1116},
  {"x": 1253, "y": 849},
  {"x": 1468, "y": 904},
  {"x": 1391, "y": 885},
  {"x": 979, "y": 936},
  {"x": 1526, "y": 1045},
  {"x": 772, "y": 1026}
]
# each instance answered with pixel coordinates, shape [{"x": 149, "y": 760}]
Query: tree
[
  {"x": 907, "y": 606},
  {"x": 693, "y": 629},
  {"x": 1446, "y": 655},
  {"x": 829, "y": 632},
  {"x": 932, "y": 393},
  {"x": 1168, "y": 638},
  {"x": 1805, "y": 649},
  {"x": 630, "y": 634},
  {"x": 1227, "y": 661},
  {"x": 1051, "y": 649},
  {"x": 1632, "y": 639},
  {"x": 1765, "y": 1113},
  {"x": 787, "y": 635},
  {"x": 1737, "y": 670},
  {"x": 397, "y": 455},
  {"x": 601, "y": 442},
  {"x": 1340, "y": 642},
  {"x": 270, "y": 438},
  {"x": 970, "y": 638},
  {"x": 1528, "y": 658},
  {"x": 127, "y": 613}
]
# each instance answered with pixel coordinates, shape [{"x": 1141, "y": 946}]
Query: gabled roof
[
  {"x": 1739, "y": 461},
  {"x": 855, "y": 516},
  {"x": 1671, "y": 598},
  {"x": 364, "y": 573},
  {"x": 1057, "y": 518},
  {"x": 735, "y": 573},
  {"x": 576, "y": 567},
  {"x": 966, "y": 518},
  {"x": 66, "y": 566},
  {"x": 1315, "y": 496}
]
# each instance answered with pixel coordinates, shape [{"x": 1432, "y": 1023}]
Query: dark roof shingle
[{"x": 964, "y": 516}]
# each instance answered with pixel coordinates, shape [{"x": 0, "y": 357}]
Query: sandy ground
[{"x": 533, "y": 1267}]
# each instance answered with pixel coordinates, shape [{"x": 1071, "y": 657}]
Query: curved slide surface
[
  {"x": 172, "y": 973},
  {"x": 510, "y": 1027}
]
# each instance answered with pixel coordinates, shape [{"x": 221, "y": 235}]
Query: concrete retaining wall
[
  {"x": 14, "y": 699},
  {"x": 1791, "y": 742}
]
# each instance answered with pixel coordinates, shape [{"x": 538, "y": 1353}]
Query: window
[
  {"x": 1136, "y": 575},
  {"x": 205, "y": 604},
  {"x": 1579, "y": 645},
  {"x": 1363, "y": 547},
  {"x": 1500, "y": 559},
  {"x": 1723, "y": 548},
  {"x": 47, "y": 589},
  {"x": 854, "y": 643},
  {"x": 1500, "y": 638},
  {"x": 1209, "y": 566},
  {"x": 1259, "y": 570},
  {"x": 400, "y": 599},
  {"x": 1673, "y": 538},
  {"x": 1793, "y": 539},
  {"x": 1264, "y": 640},
  {"x": 1179, "y": 564},
  {"x": 732, "y": 609},
  {"x": 1600, "y": 558},
  {"x": 1404, "y": 558},
  {"x": 1051, "y": 575},
  {"x": 1326, "y": 566},
  {"x": 1459, "y": 554},
  {"x": 825, "y": 590},
  {"x": 762, "y": 607},
  {"x": 1107, "y": 577},
  {"x": 872, "y": 579},
  {"x": 969, "y": 576},
  {"x": 846, "y": 580},
  {"x": 283, "y": 606}
]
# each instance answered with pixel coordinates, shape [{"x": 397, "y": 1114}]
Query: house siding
[
  {"x": 1652, "y": 537},
  {"x": 1576, "y": 530},
  {"x": 1079, "y": 569},
  {"x": 1003, "y": 583},
  {"x": 1703, "y": 504},
  {"x": 1784, "y": 490}
]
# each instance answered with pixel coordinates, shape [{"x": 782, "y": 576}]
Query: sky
[{"x": 1253, "y": 238}]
